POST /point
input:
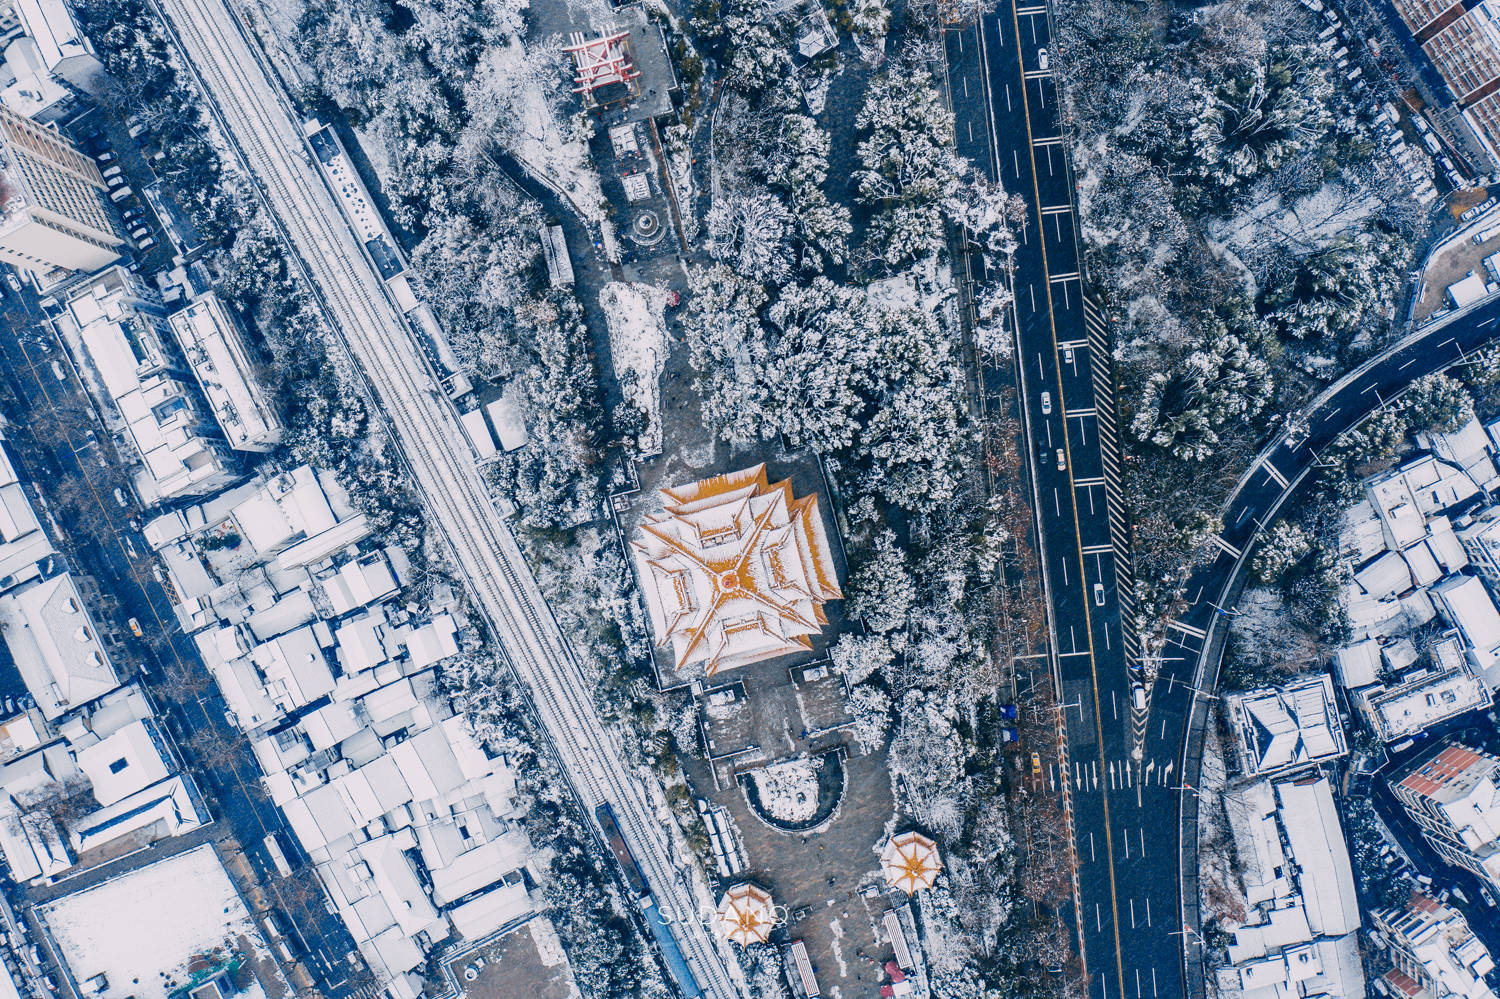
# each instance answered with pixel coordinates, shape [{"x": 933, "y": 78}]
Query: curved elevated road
[
  {"x": 1179, "y": 704},
  {"x": 259, "y": 122}
]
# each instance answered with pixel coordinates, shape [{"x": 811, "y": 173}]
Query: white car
[
  {"x": 1062, "y": 461},
  {"x": 1099, "y": 594},
  {"x": 13, "y": 281},
  {"x": 1046, "y": 403},
  {"x": 1041, "y": 58}
]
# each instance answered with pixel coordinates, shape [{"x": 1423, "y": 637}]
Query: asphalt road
[
  {"x": 1005, "y": 106},
  {"x": 101, "y": 543}
]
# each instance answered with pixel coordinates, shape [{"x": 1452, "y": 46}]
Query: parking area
[
  {"x": 1455, "y": 259},
  {"x": 156, "y": 231}
]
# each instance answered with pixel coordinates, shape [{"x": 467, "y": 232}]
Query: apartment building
[
  {"x": 52, "y": 211},
  {"x": 120, "y": 327},
  {"x": 1432, "y": 945},
  {"x": 1454, "y": 796},
  {"x": 216, "y": 351},
  {"x": 1463, "y": 41}
]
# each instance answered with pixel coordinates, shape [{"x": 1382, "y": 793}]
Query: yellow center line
[{"x": 1114, "y": 903}]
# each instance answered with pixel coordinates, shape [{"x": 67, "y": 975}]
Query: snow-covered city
[{"x": 781, "y": 499}]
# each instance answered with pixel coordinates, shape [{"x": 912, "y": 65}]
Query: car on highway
[
  {"x": 1046, "y": 403},
  {"x": 1062, "y": 461},
  {"x": 1041, "y": 58},
  {"x": 1138, "y": 697},
  {"x": 1036, "y": 764},
  {"x": 1067, "y": 355},
  {"x": 1099, "y": 594}
]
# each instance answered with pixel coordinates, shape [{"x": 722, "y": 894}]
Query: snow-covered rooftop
[{"x": 140, "y": 930}]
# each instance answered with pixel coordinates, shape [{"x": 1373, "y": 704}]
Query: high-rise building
[
  {"x": 1455, "y": 797},
  {"x": 51, "y": 207}
]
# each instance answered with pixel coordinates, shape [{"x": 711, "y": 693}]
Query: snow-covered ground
[
  {"x": 538, "y": 140},
  {"x": 636, "y": 315},
  {"x": 924, "y": 285},
  {"x": 789, "y": 790},
  {"x": 141, "y": 929}
]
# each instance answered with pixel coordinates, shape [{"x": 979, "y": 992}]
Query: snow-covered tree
[
  {"x": 871, "y": 708},
  {"x": 909, "y": 166},
  {"x": 798, "y": 164},
  {"x": 1222, "y": 383},
  {"x": 927, "y": 760},
  {"x": 760, "y": 51},
  {"x": 859, "y": 657},
  {"x": 554, "y": 477},
  {"x": 748, "y": 230},
  {"x": 1438, "y": 402},
  {"x": 881, "y": 590},
  {"x": 1257, "y": 118},
  {"x": 871, "y": 20},
  {"x": 1281, "y": 549},
  {"x": 1334, "y": 296}
]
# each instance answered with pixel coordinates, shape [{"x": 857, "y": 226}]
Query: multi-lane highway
[
  {"x": 1179, "y": 705},
  {"x": 1123, "y": 775},
  {"x": 1005, "y": 104},
  {"x": 257, "y": 119}
]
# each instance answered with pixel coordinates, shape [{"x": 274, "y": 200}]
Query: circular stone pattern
[{"x": 795, "y": 794}]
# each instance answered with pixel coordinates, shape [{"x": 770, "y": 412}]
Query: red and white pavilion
[
  {"x": 600, "y": 62},
  {"x": 734, "y": 570}
]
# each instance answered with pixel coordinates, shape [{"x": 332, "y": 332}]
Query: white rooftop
[
  {"x": 55, "y": 645},
  {"x": 1288, "y": 726},
  {"x": 141, "y": 929}
]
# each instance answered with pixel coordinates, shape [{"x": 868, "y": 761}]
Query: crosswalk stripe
[
  {"x": 1226, "y": 546},
  {"x": 1186, "y": 629}
]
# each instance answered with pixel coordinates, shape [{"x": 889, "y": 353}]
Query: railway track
[{"x": 262, "y": 127}]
